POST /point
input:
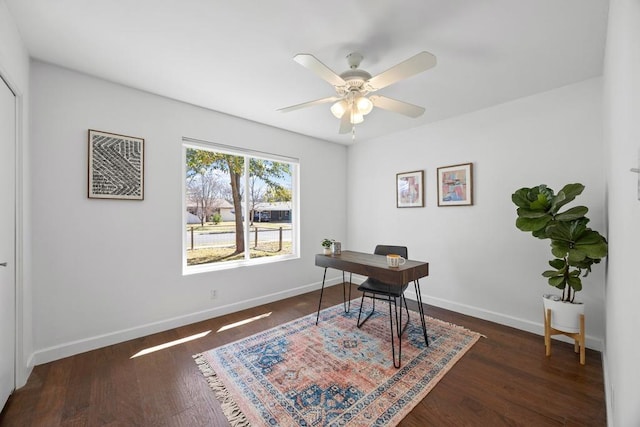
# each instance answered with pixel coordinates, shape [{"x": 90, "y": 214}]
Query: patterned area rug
[{"x": 300, "y": 374}]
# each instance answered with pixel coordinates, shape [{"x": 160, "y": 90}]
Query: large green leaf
[
  {"x": 557, "y": 281},
  {"x": 569, "y": 231},
  {"x": 532, "y": 224},
  {"x": 551, "y": 273},
  {"x": 576, "y": 255},
  {"x": 558, "y": 263},
  {"x": 568, "y": 193},
  {"x": 540, "y": 234},
  {"x": 575, "y": 283},
  {"x": 593, "y": 250},
  {"x": 573, "y": 213},
  {"x": 520, "y": 198},
  {"x": 589, "y": 237},
  {"x": 528, "y": 213},
  {"x": 560, "y": 248}
]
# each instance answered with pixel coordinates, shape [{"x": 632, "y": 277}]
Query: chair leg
[
  {"x": 360, "y": 312},
  {"x": 399, "y": 321},
  {"x": 393, "y": 332},
  {"x": 398, "y": 329}
]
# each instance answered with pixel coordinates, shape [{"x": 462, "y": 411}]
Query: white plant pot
[
  {"x": 327, "y": 251},
  {"x": 565, "y": 316}
]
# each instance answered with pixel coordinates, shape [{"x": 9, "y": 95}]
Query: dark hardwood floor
[{"x": 504, "y": 380}]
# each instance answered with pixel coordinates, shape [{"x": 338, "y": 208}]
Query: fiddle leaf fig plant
[{"x": 575, "y": 246}]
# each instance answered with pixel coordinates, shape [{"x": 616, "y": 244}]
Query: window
[{"x": 240, "y": 207}]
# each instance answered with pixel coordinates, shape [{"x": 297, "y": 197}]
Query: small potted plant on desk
[
  {"x": 575, "y": 247},
  {"x": 326, "y": 246}
]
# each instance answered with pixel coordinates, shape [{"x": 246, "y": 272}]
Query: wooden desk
[{"x": 375, "y": 266}]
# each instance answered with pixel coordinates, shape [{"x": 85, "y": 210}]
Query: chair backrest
[{"x": 387, "y": 249}]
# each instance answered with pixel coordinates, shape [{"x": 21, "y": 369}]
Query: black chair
[{"x": 377, "y": 290}]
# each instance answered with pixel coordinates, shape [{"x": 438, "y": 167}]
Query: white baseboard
[
  {"x": 80, "y": 346},
  {"x": 23, "y": 372}
]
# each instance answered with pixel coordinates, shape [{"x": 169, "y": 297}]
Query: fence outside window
[{"x": 225, "y": 237}]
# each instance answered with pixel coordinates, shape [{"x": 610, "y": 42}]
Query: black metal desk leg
[
  {"x": 392, "y": 331},
  {"x": 324, "y": 276},
  {"x": 421, "y": 311},
  {"x": 400, "y": 327},
  {"x": 400, "y": 332},
  {"x": 346, "y": 302}
]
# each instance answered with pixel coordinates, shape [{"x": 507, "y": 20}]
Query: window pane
[
  {"x": 270, "y": 207},
  {"x": 214, "y": 197}
]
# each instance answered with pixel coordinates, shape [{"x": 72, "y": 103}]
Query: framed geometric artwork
[
  {"x": 116, "y": 166},
  {"x": 410, "y": 189},
  {"x": 455, "y": 185}
]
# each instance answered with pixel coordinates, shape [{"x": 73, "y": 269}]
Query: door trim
[{"x": 22, "y": 367}]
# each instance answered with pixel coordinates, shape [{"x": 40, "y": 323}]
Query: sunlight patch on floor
[
  {"x": 244, "y": 322},
  {"x": 170, "y": 344}
]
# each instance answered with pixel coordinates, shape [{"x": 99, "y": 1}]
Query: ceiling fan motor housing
[{"x": 355, "y": 80}]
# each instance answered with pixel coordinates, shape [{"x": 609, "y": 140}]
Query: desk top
[{"x": 374, "y": 266}]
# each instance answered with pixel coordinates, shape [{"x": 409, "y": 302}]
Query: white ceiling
[{"x": 236, "y": 56}]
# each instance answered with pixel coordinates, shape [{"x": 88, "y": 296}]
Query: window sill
[{"x": 205, "y": 268}]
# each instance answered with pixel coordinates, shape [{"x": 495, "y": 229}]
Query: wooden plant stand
[{"x": 578, "y": 337}]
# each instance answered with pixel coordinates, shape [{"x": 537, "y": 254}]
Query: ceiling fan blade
[
  {"x": 396, "y": 106},
  {"x": 310, "y": 104},
  {"x": 312, "y": 63},
  {"x": 345, "y": 123},
  {"x": 412, "y": 66}
]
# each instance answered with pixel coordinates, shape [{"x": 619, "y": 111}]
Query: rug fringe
[
  {"x": 453, "y": 325},
  {"x": 230, "y": 408}
]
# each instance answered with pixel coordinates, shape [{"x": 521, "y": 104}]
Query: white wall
[
  {"x": 109, "y": 270},
  {"x": 622, "y": 135},
  {"x": 14, "y": 69},
  {"x": 480, "y": 263}
]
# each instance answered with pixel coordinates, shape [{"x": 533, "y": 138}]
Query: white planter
[
  {"x": 326, "y": 251},
  {"x": 565, "y": 316}
]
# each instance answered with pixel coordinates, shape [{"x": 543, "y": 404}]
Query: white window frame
[{"x": 295, "y": 206}]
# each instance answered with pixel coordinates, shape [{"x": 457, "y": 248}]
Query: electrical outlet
[{"x": 214, "y": 294}]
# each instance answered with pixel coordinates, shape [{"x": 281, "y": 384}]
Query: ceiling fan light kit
[
  {"x": 360, "y": 106},
  {"x": 354, "y": 85}
]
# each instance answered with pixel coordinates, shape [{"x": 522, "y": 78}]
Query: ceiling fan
[{"x": 353, "y": 99}]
